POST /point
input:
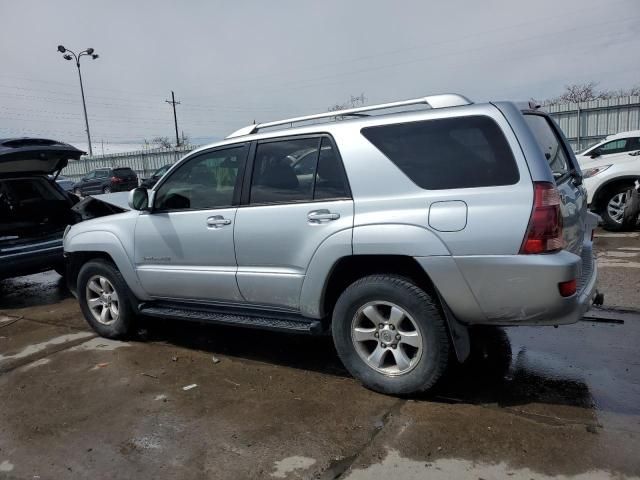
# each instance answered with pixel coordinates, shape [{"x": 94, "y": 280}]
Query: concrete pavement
[{"x": 535, "y": 402}]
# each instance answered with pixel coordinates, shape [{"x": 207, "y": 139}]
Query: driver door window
[{"x": 207, "y": 181}]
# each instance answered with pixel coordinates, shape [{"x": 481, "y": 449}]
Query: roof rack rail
[{"x": 434, "y": 101}]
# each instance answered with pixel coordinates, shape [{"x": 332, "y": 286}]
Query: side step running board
[{"x": 268, "y": 320}]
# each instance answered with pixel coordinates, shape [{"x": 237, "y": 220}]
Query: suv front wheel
[
  {"x": 390, "y": 335},
  {"x": 105, "y": 300}
]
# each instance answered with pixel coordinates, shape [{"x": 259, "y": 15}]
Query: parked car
[
  {"x": 34, "y": 209},
  {"x": 65, "y": 183},
  {"x": 610, "y": 170},
  {"x": 107, "y": 180},
  {"x": 413, "y": 227},
  {"x": 155, "y": 176}
]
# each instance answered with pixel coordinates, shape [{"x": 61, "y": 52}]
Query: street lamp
[{"x": 70, "y": 55}]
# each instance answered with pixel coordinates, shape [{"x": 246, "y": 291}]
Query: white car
[{"x": 610, "y": 168}]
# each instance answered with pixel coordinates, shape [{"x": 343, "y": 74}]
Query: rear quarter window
[
  {"x": 123, "y": 171},
  {"x": 462, "y": 152},
  {"x": 550, "y": 144}
]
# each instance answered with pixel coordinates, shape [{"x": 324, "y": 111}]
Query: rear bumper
[{"x": 515, "y": 289}]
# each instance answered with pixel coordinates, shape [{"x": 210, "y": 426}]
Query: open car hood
[{"x": 35, "y": 156}]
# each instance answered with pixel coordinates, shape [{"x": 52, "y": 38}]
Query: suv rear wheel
[
  {"x": 390, "y": 335},
  {"x": 105, "y": 300}
]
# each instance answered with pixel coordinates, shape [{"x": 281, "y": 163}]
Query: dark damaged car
[{"x": 34, "y": 209}]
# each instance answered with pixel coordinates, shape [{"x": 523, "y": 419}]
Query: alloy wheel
[
  {"x": 102, "y": 300},
  {"x": 615, "y": 207},
  {"x": 386, "y": 338}
]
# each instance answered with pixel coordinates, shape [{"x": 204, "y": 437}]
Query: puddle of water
[
  {"x": 290, "y": 464},
  {"x": 38, "y": 347},
  {"x": 395, "y": 466},
  {"x": 101, "y": 344}
]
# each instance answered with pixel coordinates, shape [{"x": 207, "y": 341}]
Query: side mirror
[
  {"x": 139, "y": 199},
  {"x": 596, "y": 153}
]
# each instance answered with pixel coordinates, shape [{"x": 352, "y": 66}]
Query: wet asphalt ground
[{"x": 193, "y": 401}]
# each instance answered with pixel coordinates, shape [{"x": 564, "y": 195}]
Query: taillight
[
  {"x": 544, "y": 233},
  {"x": 116, "y": 180}
]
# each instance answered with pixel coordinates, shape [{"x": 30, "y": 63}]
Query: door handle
[
  {"x": 324, "y": 215},
  {"x": 217, "y": 221}
]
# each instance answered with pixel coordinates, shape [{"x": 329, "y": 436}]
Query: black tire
[
  {"x": 124, "y": 324},
  {"x": 609, "y": 222},
  {"x": 428, "y": 319},
  {"x": 106, "y": 189}
]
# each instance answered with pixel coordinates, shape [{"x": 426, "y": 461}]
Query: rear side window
[
  {"x": 462, "y": 152},
  {"x": 102, "y": 173},
  {"x": 123, "y": 172},
  {"x": 550, "y": 144},
  {"x": 283, "y": 171},
  {"x": 331, "y": 181}
]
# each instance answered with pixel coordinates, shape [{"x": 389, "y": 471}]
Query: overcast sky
[{"x": 230, "y": 62}]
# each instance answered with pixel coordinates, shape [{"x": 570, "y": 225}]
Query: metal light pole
[{"x": 66, "y": 56}]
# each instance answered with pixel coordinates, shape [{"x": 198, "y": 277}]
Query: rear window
[
  {"x": 462, "y": 152},
  {"x": 125, "y": 172},
  {"x": 550, "y": 144}
]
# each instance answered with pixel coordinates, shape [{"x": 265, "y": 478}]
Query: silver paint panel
[
  {"x": 276, "y": 243},
  {"x": 178, "y": 255}
]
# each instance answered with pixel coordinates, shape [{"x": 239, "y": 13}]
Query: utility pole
[{"x": 175, "y": 118}]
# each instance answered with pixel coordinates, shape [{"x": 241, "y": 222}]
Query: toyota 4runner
[{"x": 392, "y": 232}]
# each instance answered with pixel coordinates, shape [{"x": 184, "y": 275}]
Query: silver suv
[{"x": 392, "y": 232}]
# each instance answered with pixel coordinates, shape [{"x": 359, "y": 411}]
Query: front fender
[{"x": 106, "y": 242}]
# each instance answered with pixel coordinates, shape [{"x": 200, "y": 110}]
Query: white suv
[{"x": 610, "y": 168}]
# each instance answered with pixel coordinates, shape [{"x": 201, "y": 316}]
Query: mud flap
[
  {"x": 632, "y": 207},
  {"x": 458, "y": 333}
]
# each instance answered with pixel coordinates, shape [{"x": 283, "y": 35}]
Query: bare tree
[
  {"x": 162, "y": 142},
  {"x": 624, "y": 92},
  {"x": 578, "y": 92},
  {"x": 353, "y": 102},
  {"x": 584, "y": 92}
]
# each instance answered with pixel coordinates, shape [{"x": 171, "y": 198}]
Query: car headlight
[
  {"x": 590, "y": 172},
  {"x": 66, "y": 230}
]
